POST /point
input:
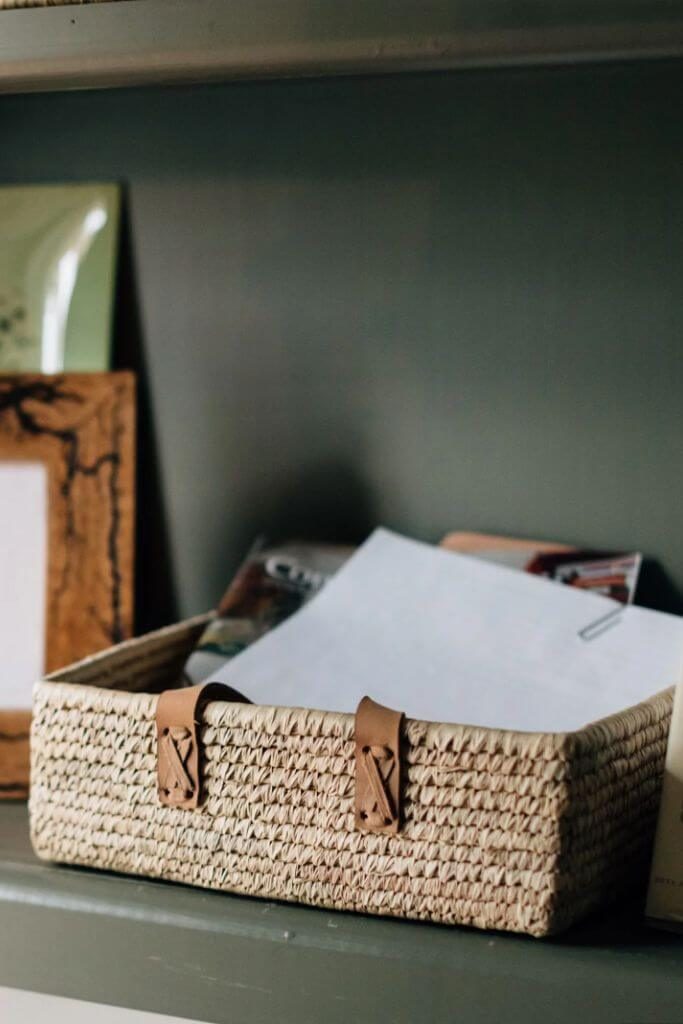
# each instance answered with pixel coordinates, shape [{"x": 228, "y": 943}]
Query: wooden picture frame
[{"x": 82, "y": 428}]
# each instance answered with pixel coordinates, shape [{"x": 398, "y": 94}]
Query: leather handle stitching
[
  {"x": 377, "y": 782},
  {"x": 175, "y": 762}
]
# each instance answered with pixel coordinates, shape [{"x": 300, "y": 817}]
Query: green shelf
[
  {"x": 140, "y": 41},
  {"x": 219, "y": 958}
]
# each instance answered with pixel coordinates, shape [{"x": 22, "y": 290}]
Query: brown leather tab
[
  {"x": 378, "y": 767},
  {"x": 178, "y": 718}
]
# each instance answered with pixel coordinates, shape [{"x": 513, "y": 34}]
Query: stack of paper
[{"x": 446, "y": 637}]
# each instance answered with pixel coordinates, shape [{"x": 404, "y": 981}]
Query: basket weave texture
[{"x": 517, "y": 831}]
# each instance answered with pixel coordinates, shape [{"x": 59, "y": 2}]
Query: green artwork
[{"x": 57, "y": 267}]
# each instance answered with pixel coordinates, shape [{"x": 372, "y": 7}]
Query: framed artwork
[
  {"x": 67, "y": 472},
  {"x": 57, "y": 265}
]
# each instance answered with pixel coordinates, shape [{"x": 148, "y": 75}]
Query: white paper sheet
[
  {"x": 445, "y": 637},
  {"x": 23, "y": 579}
]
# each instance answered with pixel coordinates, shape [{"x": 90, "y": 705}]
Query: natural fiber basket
[{"x": 517, "y": 831}]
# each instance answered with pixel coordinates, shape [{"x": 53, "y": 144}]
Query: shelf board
[
  {"x": 211, "y": 956},
  {"x": 132, "y": 42}
]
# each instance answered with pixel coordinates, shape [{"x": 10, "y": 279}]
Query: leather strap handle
[
  {"x": 179, "y": 761},
  {"x": 378, "y": 754},
  {"x": 378, "y": 768}
]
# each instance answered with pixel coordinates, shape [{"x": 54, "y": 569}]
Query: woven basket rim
[{"x": 603, "y": 729}]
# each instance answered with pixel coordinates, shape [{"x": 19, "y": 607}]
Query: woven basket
[{"x": 518, "y": 831}]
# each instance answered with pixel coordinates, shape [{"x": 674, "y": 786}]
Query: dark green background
[{"x": 428, "y": 301}]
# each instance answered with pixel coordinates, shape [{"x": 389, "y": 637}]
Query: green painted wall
[{"x": 430, "y": 301}]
